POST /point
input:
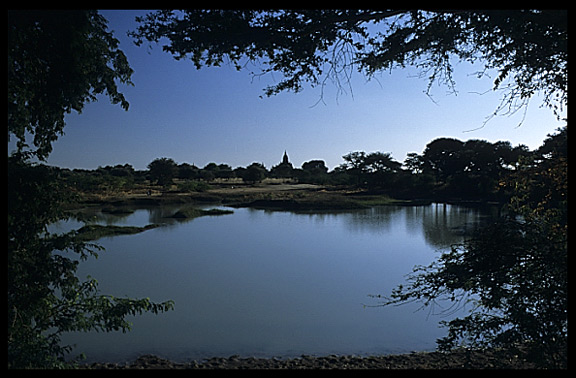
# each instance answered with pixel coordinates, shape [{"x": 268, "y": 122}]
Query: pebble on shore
[{"x": 460, "y": 359}]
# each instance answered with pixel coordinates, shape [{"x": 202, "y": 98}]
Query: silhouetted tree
[
  {"x": 469, "y": 169},
  {"x": 414, "y": 163},
  {"x": 224, "y": 171},
  {"x": 443, "y": 157},
  {"x": 527, "y": 48},
  {"x": 57, "y": 61},
  {"x": 187, "y": 171},
  {"x": 373, "y": 170},
  {"x": 315, "y": 166},
  {"x": 381, "y": 162},
  {"x": 254, "y": 173},
  {"x": 514, "y": 272},
  {"x": 162, "y": 170}
]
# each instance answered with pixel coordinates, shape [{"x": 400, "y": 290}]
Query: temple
[
  {"x": 285, "y": 158},
  {"x": 284, "y": 169}
]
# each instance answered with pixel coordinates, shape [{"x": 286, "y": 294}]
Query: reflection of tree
[
  {"x": 441, "y": 224},
  {"x": 160, "y": 214},
  {"x": 156, "y": 215},
  {"x": 376, "y": 219},
  {"x": 444, "y": 225}
]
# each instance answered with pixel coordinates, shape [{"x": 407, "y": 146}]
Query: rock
[{"x": 477, "y": 359}]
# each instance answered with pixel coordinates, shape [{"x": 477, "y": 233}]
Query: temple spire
[{"x": 285, "y": 158}]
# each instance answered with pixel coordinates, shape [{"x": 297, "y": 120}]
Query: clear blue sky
[{"x": 216, "y": 115}]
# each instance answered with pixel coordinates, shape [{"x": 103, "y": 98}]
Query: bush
[{"x": 193, "y": 186}]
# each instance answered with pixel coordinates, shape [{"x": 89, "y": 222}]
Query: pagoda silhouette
[
  {"x": 285, "y": 160},
  {"x": 284, "y": 169}
]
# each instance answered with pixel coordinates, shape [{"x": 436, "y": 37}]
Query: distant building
[
  {"x": 284, "y": 169},
  {"x": 285, "y": 159}
]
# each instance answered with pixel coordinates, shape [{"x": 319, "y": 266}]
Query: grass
[
  {"x": 194, "y": 213},
  {"x": 96, "y": 231}
]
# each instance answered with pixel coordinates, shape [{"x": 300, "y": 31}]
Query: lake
[{"x": 261, "y": 283}]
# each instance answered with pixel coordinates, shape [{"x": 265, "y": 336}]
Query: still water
[{"x": 260, "y": 283}]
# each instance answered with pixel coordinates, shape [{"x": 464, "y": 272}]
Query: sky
[{"x": 217, "y": 115}]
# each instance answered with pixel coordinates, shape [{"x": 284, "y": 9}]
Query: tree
[
  {"x": 315, "y": 166},
  {"x": 355, "y": 161},
  {"x": 443, "y": 157},
  {"x": 470, "y": 169},
  {"x": 414, "y": 163},
  {"x": 514, "y": 272},
  {"x": 58, "y": 61},
  {"x": 254, "y": 173},
  {"x": 45, "y": 297},
  {"x": 187, "y": 171},
  {"x": 381, "y": 162},
  {"x": 224, "y": 171},
  {"x": 527, "y": 48},
  {"x": 162, "y": 170}
]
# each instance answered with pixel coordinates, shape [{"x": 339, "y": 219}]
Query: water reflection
[
  {"x": 442, "y": 225},
  {"x": 272, "y": 283}
]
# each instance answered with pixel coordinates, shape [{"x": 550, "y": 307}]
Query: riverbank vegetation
[
  {"x": 514, "y": 272},
  {"x": 448, "y": 169}
]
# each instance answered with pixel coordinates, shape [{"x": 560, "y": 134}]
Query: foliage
[
  {"x": 193, "y": 186},
  {"x": 316, "y": 166},
  {"x": 514, "y": 271},
  {"x": 187, "y": 171},
  {"x": 213, "y": 170},
  {"x": 100, "y": 181},
  {"x": 254, "y": 173},
  {"x": 162, "y": 170},
  {"x": 470, "y": 169},
  {"x": 313, "y": 172},
  {"x": 282, "y": 170},
  {"x": 58, "y": 61},
  {"x": 527, "y": 48},
  {"x": 45, "y": 297}
]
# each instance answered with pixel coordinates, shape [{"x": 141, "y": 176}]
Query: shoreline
[
  {"x": 296, "y": 198},
  {"x": 458, "y": 359},
  {"x": 290, "y": 197}
]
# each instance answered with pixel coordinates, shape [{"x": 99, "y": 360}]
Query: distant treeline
[{"x": 448, "y": 168}]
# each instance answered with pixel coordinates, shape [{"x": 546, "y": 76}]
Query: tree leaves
[
  {"x": 58, "y": 61},
  {"x": 45, "y": 297},
  {"x": 528, "y": 48},
  {"x": 515, "y": 270}
]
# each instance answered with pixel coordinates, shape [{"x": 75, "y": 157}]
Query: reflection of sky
[{"x": 271, "y": 283}]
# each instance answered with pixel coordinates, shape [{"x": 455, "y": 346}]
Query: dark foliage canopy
[
  {"x": 513, "y": 273},
  {"x": 58, "y": 61},
  {"x": 527, "y": 48}
]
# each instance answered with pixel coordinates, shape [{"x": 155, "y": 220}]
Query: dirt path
[{"x": 239, "y": 190}]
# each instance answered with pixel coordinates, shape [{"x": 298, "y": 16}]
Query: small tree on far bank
[
  {"x": 162, "y": 170},
  {"x": 254, "y": 173}
]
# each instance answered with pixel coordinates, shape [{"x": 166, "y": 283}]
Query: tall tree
[
  {"x": 58, "y": 61},
  {"x": 527, "y": 48},
  {"x": 162, "y": 170},
  {"x": 513, "y": 273}
]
